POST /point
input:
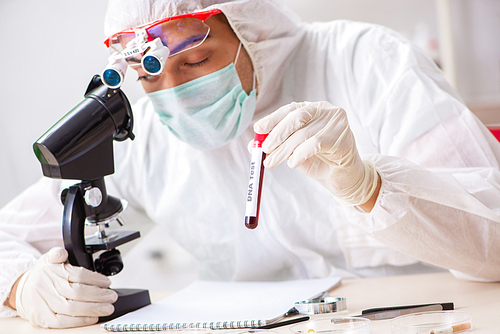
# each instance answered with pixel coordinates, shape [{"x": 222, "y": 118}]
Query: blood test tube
[{"x": 255, "y": 182}]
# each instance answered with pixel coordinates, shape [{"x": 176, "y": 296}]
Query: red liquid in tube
[{"x": 255, "y": 182}]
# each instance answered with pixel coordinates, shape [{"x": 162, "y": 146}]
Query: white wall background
[{"x": 50, "y": 50}]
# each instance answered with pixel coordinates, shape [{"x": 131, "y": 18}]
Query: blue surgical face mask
[{"x": 206, "y": 112}]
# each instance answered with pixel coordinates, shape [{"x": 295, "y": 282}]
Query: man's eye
[
  {"x": 145, "y": 77},
  {"x": 198, "y": 64}
]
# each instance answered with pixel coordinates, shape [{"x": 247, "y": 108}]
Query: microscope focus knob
[
  {"x": 63, "y": 196},
  {"x": 109, "y": 263},
  {"x": 93, "y": 197}
]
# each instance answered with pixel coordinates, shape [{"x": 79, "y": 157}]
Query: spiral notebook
[{"x": 221, "y": 305}]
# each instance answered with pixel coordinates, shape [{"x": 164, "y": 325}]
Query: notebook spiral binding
[{"x": 182, "y": 326}]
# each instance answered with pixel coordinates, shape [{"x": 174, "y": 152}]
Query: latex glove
[
  {"x": 315, "y": 138},
  {"x": 55, "y": 294}
]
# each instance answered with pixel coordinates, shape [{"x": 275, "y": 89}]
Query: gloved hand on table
[
  {"x": 55, "y": 294},
  {"x": 315, "y": 138}
]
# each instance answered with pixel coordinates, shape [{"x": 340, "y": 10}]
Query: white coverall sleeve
[
  {"x": 439, "y": 200},
  {"x": 30, "y": 225}
]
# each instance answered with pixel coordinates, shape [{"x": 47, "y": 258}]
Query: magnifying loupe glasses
[{"x": 152, "y": 44}]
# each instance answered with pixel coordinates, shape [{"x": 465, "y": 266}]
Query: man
[{"x": 390, "y": 173}]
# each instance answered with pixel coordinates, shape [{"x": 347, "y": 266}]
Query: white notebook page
[{"x": 214, "y": 301}]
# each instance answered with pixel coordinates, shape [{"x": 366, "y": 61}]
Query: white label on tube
[{"x": 253, "y": 182}]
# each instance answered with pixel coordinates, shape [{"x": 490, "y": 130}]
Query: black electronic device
[{"x": 80, "y": 147}]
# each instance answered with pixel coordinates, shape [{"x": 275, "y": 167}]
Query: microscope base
[{"x": 128, "y": 300}]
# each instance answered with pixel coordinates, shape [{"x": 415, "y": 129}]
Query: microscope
[{"x": 80, "y": 147}]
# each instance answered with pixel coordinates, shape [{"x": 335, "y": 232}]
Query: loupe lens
[
  {"x": 111, "y": 77},
  {"x": 152, "y": 64}
]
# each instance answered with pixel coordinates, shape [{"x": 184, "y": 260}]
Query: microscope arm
[{"x": 74, "y": 229}]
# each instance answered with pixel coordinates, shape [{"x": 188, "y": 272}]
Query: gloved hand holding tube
[
  {"x": 315, "y": 138},
  {"x": 55, "y": 294}
]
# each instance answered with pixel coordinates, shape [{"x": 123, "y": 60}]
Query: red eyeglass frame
[{"x": 198, "y": 15}]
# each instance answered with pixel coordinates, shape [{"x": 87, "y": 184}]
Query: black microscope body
[{"x": 80, "y": 147}]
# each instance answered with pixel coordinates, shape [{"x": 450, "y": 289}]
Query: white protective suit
[{"x": 440, "y": 194}]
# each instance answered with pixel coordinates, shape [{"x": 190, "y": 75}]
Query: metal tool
[{"x": 321, "y": 305}]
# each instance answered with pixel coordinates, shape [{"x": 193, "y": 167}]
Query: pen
[
  {"x": 396, "y": 311},
  {"x": 284, "y": 323},
  {"x": 444, "y": 307}
]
